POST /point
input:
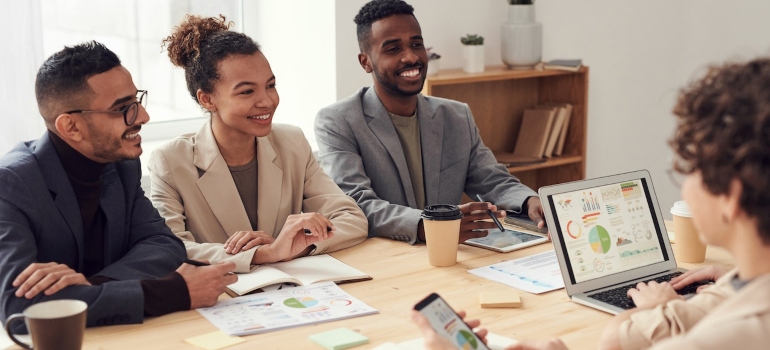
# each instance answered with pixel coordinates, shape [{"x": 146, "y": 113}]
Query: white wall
[
  {"x": 640, "y": 54},
  {"x": 298, "y": 41}
]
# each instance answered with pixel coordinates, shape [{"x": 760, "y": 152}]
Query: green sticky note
[{"x": 338, "y": 339}]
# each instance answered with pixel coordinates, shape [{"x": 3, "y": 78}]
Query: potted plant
[
  {"x": 521, "y": 36},
  {"x": 473, "y": 53},
  {"x": 433, "y": 60}
]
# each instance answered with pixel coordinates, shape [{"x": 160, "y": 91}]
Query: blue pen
[{"x": 492, "y": 215}]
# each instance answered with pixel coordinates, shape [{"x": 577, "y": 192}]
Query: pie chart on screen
[{"x": 466, "y": 340}]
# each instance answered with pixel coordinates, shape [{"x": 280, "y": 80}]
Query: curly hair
[
  {"x": 62, "y": 80},
  {"x": 198, "y": 45},
  {"x": 374, "y": 11},
  {"x": 723, "y": 132}
]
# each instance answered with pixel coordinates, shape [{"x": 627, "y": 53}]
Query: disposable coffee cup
[
  {"x": 52, "y": 325},
  {"x": 687, "y": 244},
  {"x": 442, "y": 233}
]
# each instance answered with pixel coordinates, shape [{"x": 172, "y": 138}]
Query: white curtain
[{"x": 20, "y": 58}]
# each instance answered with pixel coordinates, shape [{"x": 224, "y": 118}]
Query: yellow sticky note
[
  {"x": 499, "y": 299},
  {"x": 214, "y": 340}
]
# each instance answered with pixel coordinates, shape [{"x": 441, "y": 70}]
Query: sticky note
[
  {"x": 214, "y": 340},
  {"x": 338, "y": 339},
  {"x": 499, "y": 299}
]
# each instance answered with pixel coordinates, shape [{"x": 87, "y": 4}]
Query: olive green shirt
[
  {"x": 408, "y": 130},
  {"x": 245, "y": 178}
]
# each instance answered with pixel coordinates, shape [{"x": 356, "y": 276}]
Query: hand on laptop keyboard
[
  {"x": 619, "y": 295},
  {"x": 652, "y": 293},
  {"x": 697, "y": 276}
]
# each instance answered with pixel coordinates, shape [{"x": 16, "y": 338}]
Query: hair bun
[{"x": 184, "y": 43}]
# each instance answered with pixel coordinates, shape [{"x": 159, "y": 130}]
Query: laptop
[{"x": 608, "y": 235}]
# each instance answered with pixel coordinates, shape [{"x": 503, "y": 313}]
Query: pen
[
  {"x": 492, "y": 215},
  {"x": 307, "y": 232},
  {"x": 195, "y": 262}
]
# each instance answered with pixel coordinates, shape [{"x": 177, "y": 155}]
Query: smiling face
[
  {"x": 244, "y": 98},
  {"x": 397, "y": 57},
  {"x": 106, "y": 138}
]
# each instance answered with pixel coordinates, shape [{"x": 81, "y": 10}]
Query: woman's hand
[
  {"x": 244, "y": 240},
  {"x": 708, "y": 273},
  {"x": 293, "y": 240},
  {"x": 652, "y": 294},
  {"x": 433, "y": 341}
]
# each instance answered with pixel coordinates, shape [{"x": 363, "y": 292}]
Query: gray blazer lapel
[
  {"x": 112, "y": 202},
  {"x": 382, "y": 127},
  {"x": 217, "y": 185},
  {"x": 61, "y": 191},
  {"x": 270, "y": 186},
  {"x": 431, "y": 140}
]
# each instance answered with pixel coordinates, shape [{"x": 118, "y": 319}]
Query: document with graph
[
  {"x": 285, "y": 308},
  {"x": 537, "y": 273}
]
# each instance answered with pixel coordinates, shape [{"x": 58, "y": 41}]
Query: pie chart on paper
[{"x": 300, "y": 303}]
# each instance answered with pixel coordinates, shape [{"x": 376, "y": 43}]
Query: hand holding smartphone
[{"x": 448, "y": 324}]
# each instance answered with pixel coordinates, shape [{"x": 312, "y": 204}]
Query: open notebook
[{"x": 302, "y": 271}]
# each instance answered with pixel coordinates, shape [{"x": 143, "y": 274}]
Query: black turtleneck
[
  {"x": 161, "y": 296},
  {"x": 85, "y": 175}
]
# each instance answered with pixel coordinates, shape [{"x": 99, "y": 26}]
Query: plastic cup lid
[
  {"x": 680, "y": 208},
  {"x": 442, "y": 212}
]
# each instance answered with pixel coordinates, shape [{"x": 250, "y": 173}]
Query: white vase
[
  {"x": 474, "y": 58},
  {"x": 433, "y": 67},
  {"x": 522, "y": 38}
]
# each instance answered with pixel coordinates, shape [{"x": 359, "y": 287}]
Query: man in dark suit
[
  {"x": 394, "y": 150},
  {"x": 74, "y": 221}
]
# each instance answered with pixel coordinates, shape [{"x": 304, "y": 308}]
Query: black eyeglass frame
[{"x": 141, "y": 101}]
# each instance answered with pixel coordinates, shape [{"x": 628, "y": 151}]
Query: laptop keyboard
[{"x": 619, "y": 296}]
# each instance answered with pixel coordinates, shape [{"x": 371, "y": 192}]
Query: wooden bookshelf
[{"x": 498, "y": 97}]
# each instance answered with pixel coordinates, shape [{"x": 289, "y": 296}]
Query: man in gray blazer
[
  {"x": 74, "y": 221},
  {"x": 394, "y": 150}
]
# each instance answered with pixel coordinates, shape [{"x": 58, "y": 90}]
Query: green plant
[
  {"x": 472, "y": 39},
  {"x": 521, "y": 2}
]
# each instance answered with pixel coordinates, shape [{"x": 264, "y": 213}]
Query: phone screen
[{"x": 448, "y": 324}]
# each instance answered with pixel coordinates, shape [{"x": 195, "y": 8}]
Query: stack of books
[
  {"x": 566, "y": 65},
  {"x": 541, "y": 135}
]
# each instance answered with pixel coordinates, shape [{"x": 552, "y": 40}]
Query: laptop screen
[{"x": 607, "y": 230}]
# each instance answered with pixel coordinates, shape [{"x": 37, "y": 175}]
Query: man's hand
[
  {"x": 292, "y": 240},
  {"x": 207, "y": 283},
  {"x": 244, "y": 240},
  {"x": 46, "y": 277},
  {"x": 647, "y": 295},
  {"x": 708, "y": 273},
  {"x": 553, "y": 344},
  {"x": 472, "y": 224},
  {"x": 433, "y": 341},
  {"x": 535, "y": 211}
]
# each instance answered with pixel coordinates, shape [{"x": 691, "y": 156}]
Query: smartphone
[{"x": 448, "y": 324}]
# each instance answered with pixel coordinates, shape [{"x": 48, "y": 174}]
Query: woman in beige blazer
[
  {"x": 243, "y": 189},
  {"x": 723, "y": 146}
]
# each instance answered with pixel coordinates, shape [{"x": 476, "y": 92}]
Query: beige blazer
[
  {"x": 717, "y": 318},
  {"x": 193, "y": 190}
]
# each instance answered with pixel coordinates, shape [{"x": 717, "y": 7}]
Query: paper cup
[
  {"x": 441, "y": 223},
  {"x": 687, "y": 247}
]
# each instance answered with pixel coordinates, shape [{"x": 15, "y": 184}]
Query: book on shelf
[
  {"x": 507, "y": 159},
  {"x": 560, "y": 125},
  {"x": 536, "y": 125},
  {"x": 553, "y": 134},
  {"x": 301, "y": 271},
  {"x": 572, "y": 65}
]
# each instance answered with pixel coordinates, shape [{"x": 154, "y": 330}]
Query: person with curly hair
[
  {"x": 395, "y": 150},
  {"x": 242, "y": 188},
  {"x": 74, "y": 221},
  {"x": 722, "y": 143}
]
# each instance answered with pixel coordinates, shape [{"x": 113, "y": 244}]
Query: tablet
[{"x": 506, "y": 241}]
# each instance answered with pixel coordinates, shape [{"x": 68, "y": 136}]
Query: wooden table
[{"x": 402, "y": 276}]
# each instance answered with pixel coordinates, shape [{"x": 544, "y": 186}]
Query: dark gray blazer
[
  {"x": 40, "y": 222},
  {"x": 359, "y": 148}
]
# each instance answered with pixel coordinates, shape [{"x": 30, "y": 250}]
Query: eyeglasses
[{"x": 129, "y": 112}]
